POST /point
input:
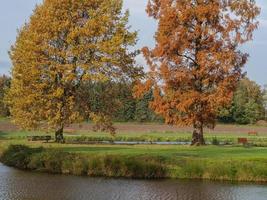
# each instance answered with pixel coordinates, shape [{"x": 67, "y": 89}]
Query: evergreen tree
[
  {"x": 143, "y": 111},
  {"x": 126, "y": 112}
]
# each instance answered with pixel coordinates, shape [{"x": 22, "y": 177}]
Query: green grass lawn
[
  {"x": 168, "y": 151},
  {"x": 153, "y": 136},
  {"x": 171, "y": 152}
]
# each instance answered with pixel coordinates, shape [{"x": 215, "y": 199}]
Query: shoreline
[
  {"x": 235, "y": 182},
  {"x": 261, "y": 183},
  {"x": 55, "y": 161}
]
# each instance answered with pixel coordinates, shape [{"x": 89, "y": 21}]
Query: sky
[{"x": 14, "y": 13}]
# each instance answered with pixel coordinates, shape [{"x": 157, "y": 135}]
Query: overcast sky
[{"x": 14, "y": 13}]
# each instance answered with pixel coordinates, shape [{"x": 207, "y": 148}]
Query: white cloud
[{"x": 135, "y": 6}]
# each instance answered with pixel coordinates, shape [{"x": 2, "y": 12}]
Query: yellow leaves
[
  {"x": 59, "y": 92},
  {"x": 99, "y": 77},
  {"x": 102, "y": 123},
  {"x": 65, "y": 44}
]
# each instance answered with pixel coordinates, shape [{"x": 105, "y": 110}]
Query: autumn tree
[
  {"x": 4, "y": 86},
  {"x": 197, "y": 62},
  {"x": 67, "y": 43}
]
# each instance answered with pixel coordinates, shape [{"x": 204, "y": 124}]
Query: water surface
[{"x": 19, "y": 185}]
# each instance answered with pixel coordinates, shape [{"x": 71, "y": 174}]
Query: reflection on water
[{"x": 18, "y": 185}]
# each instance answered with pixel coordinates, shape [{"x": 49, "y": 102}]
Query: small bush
[
  {"x": 18, "y": 156},
  {"x": 53, "y": 160},
  {"x": 215, "y": 141}
]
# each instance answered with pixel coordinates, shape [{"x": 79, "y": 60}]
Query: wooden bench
[
  {"x": 253, "y": 133},
  {"x": 39, "y": 138},
  {"x": 242, "y": 141}
]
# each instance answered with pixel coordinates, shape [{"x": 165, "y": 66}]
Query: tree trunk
[
  {"x": 59, "y": 135},
  {"x": 198, "y": 136}
]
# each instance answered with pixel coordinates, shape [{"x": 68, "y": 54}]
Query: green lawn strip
[
  {"x": 229, "y": 138},
  {"x": 147, "y": 161},
  {"x": 216, "y": 153}
]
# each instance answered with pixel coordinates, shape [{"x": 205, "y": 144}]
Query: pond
[{"x": 20, "y": 185}]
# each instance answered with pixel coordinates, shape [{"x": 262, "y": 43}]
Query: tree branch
[{"x": 189, "y": 58}]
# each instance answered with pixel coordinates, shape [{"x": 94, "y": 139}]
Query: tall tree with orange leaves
[{"x": 197, "y": 62}]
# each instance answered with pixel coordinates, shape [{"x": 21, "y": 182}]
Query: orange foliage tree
[{"x": 196, "y": 63}]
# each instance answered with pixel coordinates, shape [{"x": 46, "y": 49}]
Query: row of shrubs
[
  {"x": 145, "y": 167},
  {"x": 255, "y": 141},
  {"x": 143, "y": 138}
]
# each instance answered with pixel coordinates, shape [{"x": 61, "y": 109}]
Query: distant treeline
[
  {"x": 108, "y": 98},
  {"x": 248, "y": 105},
  {"x": 116, "y": 98}
]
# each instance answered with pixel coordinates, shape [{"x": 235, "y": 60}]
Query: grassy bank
[
  {"x": 62, "y": 162},
  {"x": 230, "y": 161},
  {"x": 213, "y": 163}
]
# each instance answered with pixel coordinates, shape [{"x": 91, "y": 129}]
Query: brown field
[
  {"x": 146, "y": 128},
  {"x": 152, "y": 127}
]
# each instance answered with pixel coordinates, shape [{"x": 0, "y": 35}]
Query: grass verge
[{"x": 213, "y": 163}]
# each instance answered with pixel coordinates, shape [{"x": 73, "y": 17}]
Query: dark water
[{"x": 18, "y": 185}]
